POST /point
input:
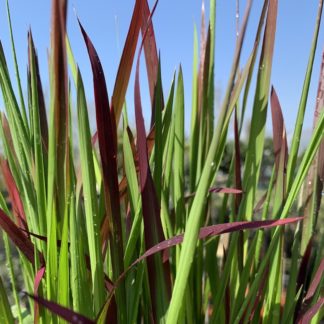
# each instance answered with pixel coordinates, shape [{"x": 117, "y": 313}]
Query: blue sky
[{"x": 106, "y": 21}]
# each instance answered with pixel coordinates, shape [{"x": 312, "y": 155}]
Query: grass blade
[
  {"x": 18, "y": 237},
  {"x": 38, "y": 278},
  {"x": 218, "y": 229},
  {"x": 40, "y": 184},
  {"x": 313, "y": 185},
  {"x": 13, "y": 47},
  {"x": 107, "y": 136},
  {"x": 193, "y": 222},
  {"x": 303, "y": 100},
  {"x": 278, "y": 128},
  {"x": 126, "y": 61},
  {"x": 257, "y": 131},
  {"x": 151, "y": 54},
  {"x": 179, "y": 143},
  {"x": 89, "y": 190},
  {"x": 315, "y": 282},
  {"x": 5, "y": 310},
  {"x": 58, "y": 142},
  {"x": 158, "y": 276},
  {"x": 61, "y": 311},
  {"x": 311, "y": 312}
]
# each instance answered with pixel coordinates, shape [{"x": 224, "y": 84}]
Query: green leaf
[
  {"x": 90, "y": 198},
  {"x": 5, "y": 310},
  {"x": 178, "y": 157}
]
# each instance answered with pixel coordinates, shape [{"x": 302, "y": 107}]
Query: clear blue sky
[{"x": 107, "y": 21}]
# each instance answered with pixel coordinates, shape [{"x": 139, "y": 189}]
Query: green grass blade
[
  {"x": 303, "y": 101},
  {"x": 133, "y": 281},
  {"x": 12, "y": 275},
  {"x": 302, "y": 171},
  {"x": 193, "y": 147},
  {"x": 5, "y": 311},
  {"x": 38, "y": 146},
  {"x": 179, "y": 143},
  {"x": 90, "y": 201},
  {"x": 313, "y": 186},
  {"x": 71, "y": 61},
  {"x": 80, "y": 286},
  {"x": 57, "y": 143},
  {"x": 257, "y": 131},
  {"x": 134, "y": 198},
  {"x": 14, "y": 54},
  {"x": 291, "y": 287},
  {"x": 193, "y": 222},
  {"x": 305, "y": 164},
  {"x": 244, "y": 279},
  {"x": 20, "y": 134},
  {"x": 63, "y": 268},
  {"x": 158, "y": 148}
]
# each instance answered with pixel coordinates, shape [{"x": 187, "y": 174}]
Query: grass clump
[{"x": 130, "y": 233}]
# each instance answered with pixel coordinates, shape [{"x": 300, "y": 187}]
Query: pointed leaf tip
[{"x": 63, "y": 312}]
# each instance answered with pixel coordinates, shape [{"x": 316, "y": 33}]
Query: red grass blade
[
  {"x": 151, "y": 211},
  {"x": 106, "y": 125},
  {"x": 304, "y": 265},
  {"x": 224, "y": 190},
  {"x": 61, "y": 311},
  {"x": 150, "y": 141},
  {"x": 150, "y": 203},
  {"x": 151, "y": 54},
  {"x": 41, "y": 100},
  {"x": 18, "y": 209},
  {"x": 206, "y": 232},
  {"x": 94, "y": 138},
  {"x": 310, "y": 313},
  {"x": 18, "y": 237},
  {"x": 218, "y": 229},
  {"x": 258, "y": 298},
  {"x": 314, "y": 285},
  {"x": 38, "y": 278},
  {"x": 279, "y": 130},
  {"x": 140, "y": 20},
  {"x": 151, "y": 57},
  {"x": 302, "y": 275},
  {"x": 126, "y": 61},
  {"x": 150, "y": 50},
  {"x": 59, "y": 85}
]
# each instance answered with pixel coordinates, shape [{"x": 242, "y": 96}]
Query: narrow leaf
[
  {"x": 278, "y": 127},
  {"x": 6, "y": 315},
  {"x": 126, "y": 61},
  {"x": 38, "y": 278},
  {"x": 150, "y": 51},
  {"x": 311, "y": 312},
  {"x": 14, "y": 195},
  {"x": 61, "y": 311},
  {"x": 107, "y": 136},
  {"x": 17, "y": 236},
  {"x": 151, "y": 210},
  {"x": 303, "y": 101},
  {"x": 315, "y": 283},
  {"x": 218, "y": 229}
]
